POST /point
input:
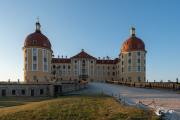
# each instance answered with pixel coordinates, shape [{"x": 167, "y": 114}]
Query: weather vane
[{"x": 38, "y": 19}]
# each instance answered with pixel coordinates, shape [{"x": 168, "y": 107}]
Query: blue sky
[{"x": 98, "y": 26}]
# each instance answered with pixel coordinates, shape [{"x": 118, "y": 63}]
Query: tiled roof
[
  {"x": 133, "y": 44},
  {"x": 37, "y": 39},
  {"x": 107, "y": 61},
  {"x": 61, "y": 60},
  {"x": 83, "y": 54}
]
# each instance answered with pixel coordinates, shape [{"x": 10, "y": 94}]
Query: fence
[{"x": 164, "y": 85}]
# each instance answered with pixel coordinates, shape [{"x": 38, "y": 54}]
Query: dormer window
[{"x": 34, "y": 42}]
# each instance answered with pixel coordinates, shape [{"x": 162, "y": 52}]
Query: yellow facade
[{"x": 38, "y": 75}]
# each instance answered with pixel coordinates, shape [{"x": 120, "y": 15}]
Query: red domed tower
[
  {"x": 133, "y": 57},
  {"x": 37, "y": 57}
]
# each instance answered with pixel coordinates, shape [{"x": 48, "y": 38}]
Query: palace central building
[{"x": 40, "y": 66}]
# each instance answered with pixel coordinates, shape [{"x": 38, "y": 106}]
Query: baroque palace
[
  {"x": 45, "y": 75},
  {"x": 41, "y": 66}
]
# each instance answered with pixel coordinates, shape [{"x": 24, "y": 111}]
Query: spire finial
[
  {"x": 38, "y": 19},
  {"x": 38, "y": 25},
  {"x": 133, "y": 31}
]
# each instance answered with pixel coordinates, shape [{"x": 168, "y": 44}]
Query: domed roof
[
  {"x": 37, "y": 39},
  {"x": 133, "y": 43}
]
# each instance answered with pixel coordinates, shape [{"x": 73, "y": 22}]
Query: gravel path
[{"x": 163, "y": 98}]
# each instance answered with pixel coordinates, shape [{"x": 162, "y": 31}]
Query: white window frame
[{"x": 33, "y": 62}]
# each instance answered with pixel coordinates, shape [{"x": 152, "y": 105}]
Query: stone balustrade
[{"x": 163, "y": 85}]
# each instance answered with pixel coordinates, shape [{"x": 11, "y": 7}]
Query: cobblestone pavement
[{"x": 165, "y": 98}]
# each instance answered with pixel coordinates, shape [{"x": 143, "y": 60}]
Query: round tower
[
  {"x": 133, "y": 59},
  {"x": 37, "y": 57}
]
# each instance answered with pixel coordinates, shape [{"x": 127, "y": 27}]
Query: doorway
[
  {"x": 57, "y": 90},
  {"x": 3, "y": 92},
  {"x": 32, "y": 92}
]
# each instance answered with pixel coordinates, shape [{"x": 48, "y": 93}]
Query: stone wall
[
  {"x": 24, "y": 90},
  {"x": 164, "y": 85},
  {"x": 38, "y": 90}
]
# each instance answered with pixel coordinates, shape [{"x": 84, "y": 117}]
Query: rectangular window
[
  {"x": 129, "y": 79},
  {"x": 139, "y": 60},
  {"x": 45, "y": 60},
  {"x": 34, "y": 67},
  {"x": 138, "y": 53},
  {"x": 3, "y": 92},
  {"x": 34, "y": 59},
  {"x": 139, "y": 68},
  {"x": 45, "y": 67},
  {"x": 129, "y": 61},
  {"x": 26, "y": 59},
  {"x": 34, "y": 51},
  {"x": 113, "y": 73},
  {"x": 23, "y": 92},
  {"x": 34, "y": 78},
  {"x": 83, "y": 71},
  {"x": 75, "y": 67},
  {"x": 129, "y": 54},
  {"x": 139, "y": 79},
  {"x": 129, "y": 68},
  {"x": 41, "y": 91},
  {"x": 75, "y": 72},
  {"x": 13, "y": 92},
  {"x": 32, "y": 92},
  {"x": 25, "y": 66}
]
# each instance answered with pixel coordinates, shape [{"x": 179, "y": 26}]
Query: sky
[{"x": 98, "y": 26}]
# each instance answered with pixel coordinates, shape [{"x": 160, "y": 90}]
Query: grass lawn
[
  {"x": 75, "y": 108},
  {"x": 15, "y": 101}
]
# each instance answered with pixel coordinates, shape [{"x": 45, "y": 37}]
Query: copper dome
[
  {"x": 37, "y": 39},
  {"x": 133, "y": 43}
]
